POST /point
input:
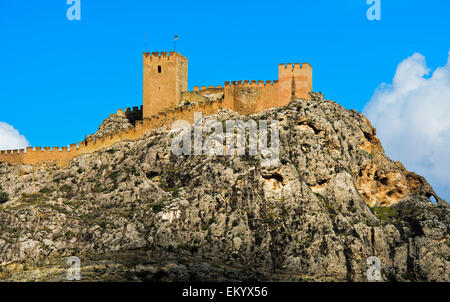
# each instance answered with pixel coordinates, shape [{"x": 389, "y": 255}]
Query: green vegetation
[
  {"x": 113, "y": 175},
  {"x": 320, "y": 196},
  {"x": 65, "y": 188},
  {"x": 331, "y": 211},
  {"x": 158, "y": 207},
  {"x": 386, "y": 214},
  {"x": 31, "y": 198},
  {"x": 73, "y": 203},
  {"x": 402, "y": 215},
  {"x": 399, "y": 212},
  {"x": 132, "y": 171},
  {"x": 98, "y": 188},
  {"x": 204, "y": 226},
  {"x": 252, "y": 161},
  {"x": 173, "y": 190},
  {"x": 45, "y": 190},
  {"x": 4, "y": 197},
  {"x": 60, "y": 179},
  {"x": 69, "y": 234},
  {"x": 191, "y": 248},
  {"x": 67, "y": 191}
]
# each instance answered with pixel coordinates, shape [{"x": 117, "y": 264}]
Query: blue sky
[{"x": 60, "y": 78}]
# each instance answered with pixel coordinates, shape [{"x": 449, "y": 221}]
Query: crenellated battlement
[
  {"x": 132, "y": 114},
  {"x": 251, "y": 83},
  {"x": 128, "y": 111},
  {"x": 294, "y": 66},
  {"x": 12, "y": 152},
  {"x": 150, "y": 57}
]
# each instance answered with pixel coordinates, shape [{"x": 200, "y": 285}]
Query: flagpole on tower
[
  {"x": 175, "y": 43},
  {"x": 145, "y": 50}
]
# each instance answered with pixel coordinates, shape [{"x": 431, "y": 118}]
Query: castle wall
[
  {"x": 192, "y": 97},
  {"x": 162, "y": 93},
  {"x": 209, "y": 90},
  {"x": 40, "y": 155},
  {"x": 14, "y": 157},
  {"x": 61, "y": 156},
  {"x": 247, "y": 97}
]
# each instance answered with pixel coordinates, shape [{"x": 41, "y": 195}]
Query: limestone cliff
[
  {"x": 110, "y": 126},
  {"x": 136, "y": 211}
]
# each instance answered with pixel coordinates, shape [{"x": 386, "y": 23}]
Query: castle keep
[{"x": 166, "y": 99}]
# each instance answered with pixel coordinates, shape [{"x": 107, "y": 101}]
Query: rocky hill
[
  {"x": 138, "y": 212},
  {"x": 110, "y": 125}
]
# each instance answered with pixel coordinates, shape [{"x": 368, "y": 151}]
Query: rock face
[
  {"x": 111, "y": 125},
  {"x": 138, "y": 212}
]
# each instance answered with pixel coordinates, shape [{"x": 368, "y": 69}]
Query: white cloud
[
  {"x": 10, "y": 138},
  {"x": 412, "y": 117}
]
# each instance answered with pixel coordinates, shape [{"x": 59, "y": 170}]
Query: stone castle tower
[
  {"x": 165, "y": 78},
  {"x": 294, "y": 81}
]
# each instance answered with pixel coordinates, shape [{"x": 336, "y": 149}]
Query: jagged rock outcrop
[
  {"x": 111, "y": 125},
  {"x": 136, "y": 211}
]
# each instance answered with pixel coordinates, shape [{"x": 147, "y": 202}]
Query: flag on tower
[{"x": 176, "y": 37}]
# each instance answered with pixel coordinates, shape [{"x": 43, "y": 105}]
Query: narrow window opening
[{"x": 159, "y": 69}]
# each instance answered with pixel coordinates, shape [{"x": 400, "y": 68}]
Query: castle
[{"x": 166, "y": 99}]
